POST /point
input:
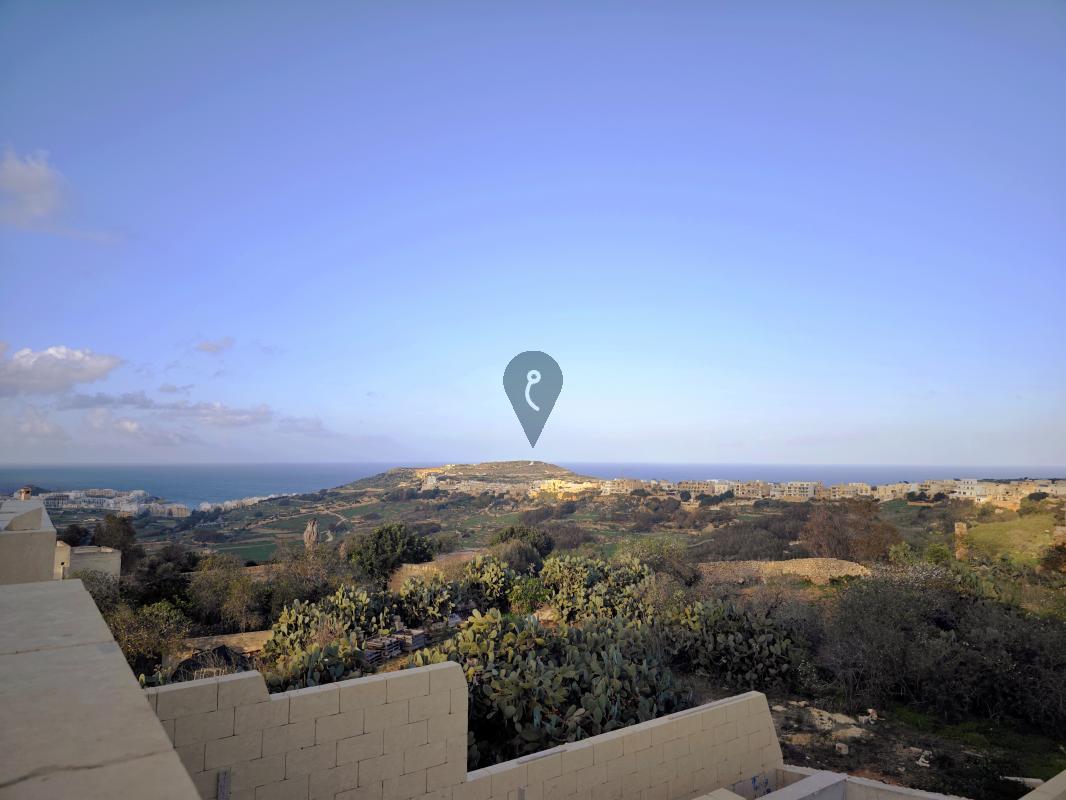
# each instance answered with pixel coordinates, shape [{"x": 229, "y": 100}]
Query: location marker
[{"x": 533, "y": 381}]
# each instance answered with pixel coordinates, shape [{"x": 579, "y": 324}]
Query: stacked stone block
[
  {"x": 683, "y": 755},
  {"x": 398, "y": 735}
]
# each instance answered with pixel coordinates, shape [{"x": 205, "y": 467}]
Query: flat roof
[{"x": 74, "y": 721}]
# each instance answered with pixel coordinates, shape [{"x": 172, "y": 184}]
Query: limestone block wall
[
  {"x": 403, "y": 735},
  {"x": 1054, "y": 789},
  {"x": 683, "y": 755},
  {"x": 816, "y": 570},
  {"x": 394, "y": 735}
]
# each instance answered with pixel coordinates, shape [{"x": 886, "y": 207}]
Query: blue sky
[{"x": 829, "y": 233}]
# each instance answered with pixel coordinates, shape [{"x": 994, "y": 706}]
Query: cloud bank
[{"x": 56, "y": 369}]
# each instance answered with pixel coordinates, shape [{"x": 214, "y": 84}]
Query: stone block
[
  {"x": 447, "y": 726},
  {"x": 403, "y": 737},
  {"x": 241, "y": 689},
  {"x": 404, "y": 685},
  {"x": 339, "y": 726},
  {"x": 479, "y": 789},
  {"x": 359, "y": 748},
  {"x": 444, "y": 676},
  {"x": 206, "y": 784},
  {"x": 390, "y": 715},
  {"x": 257, "y": 772},
  {"x": 325, "y": 784},
  {"x": 606, "y": 747},
  {"x": 544, "y": 768},
  {"x": 576, "y": 757},
  {"x": 310, "y": 759},
  {"x": 376, "y": 770},
  {"x": 425, "y": 756},
  {"x": 271, "y": 714},
  {"x": 362, "y": 692},
  {"x": 507, "y": 777},
  {"x": 183, "y": 699},
  {"x": 192, "y": 756},
  {"x": 632, "y": 741},
  {"x": 562, "y": 785},
  {"x": 460, "y": 701},
  {"x": 313, "y": 702},
  {"x": 203, "y": 727},
  {"x": 431, "y": 705},
  {"x": 295, "y": 789},
  {"x": 450, "y": 773},
  {"x": 372, "y": 792},
  {"x": 405, "y": 787},
  {"x": 223, "y": 752},
  {"x": 284, "y": 738},
  {"x": 590, "y": 776}
]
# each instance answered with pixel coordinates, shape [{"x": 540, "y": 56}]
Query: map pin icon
[{"x": 533, "y": 381}]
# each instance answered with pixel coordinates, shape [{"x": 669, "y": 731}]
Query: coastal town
[{"x": 999, "y": 493}]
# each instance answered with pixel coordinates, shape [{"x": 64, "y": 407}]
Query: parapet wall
[
  {"x": 816, "y": 570},
  {"x": 403, "y": 735}
]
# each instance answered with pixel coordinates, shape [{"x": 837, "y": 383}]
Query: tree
[
  {"x": 541, "y": 542},
  {"x": 685, "y": 495},
  {"x": 222, "y": 593},
  {"x": 75, "y": 535},
  {"x": 848, "y": 530},
  {"x": 118, "y": 533},
  {"x": 147, "y": 634},
  {"x": 381, "y": 553}
]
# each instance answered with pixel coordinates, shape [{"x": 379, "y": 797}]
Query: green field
[
  {"x": 253, "y": 551},
  {"x": 1023, "y": 540}
]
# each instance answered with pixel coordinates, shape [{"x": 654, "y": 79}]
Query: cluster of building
[
  {"x": 129, "y": 503},
  {"x": 244, "y": 502},
  {"x": 1005, "y": 493}
]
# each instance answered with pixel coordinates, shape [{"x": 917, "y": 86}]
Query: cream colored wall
[
  {"x": 395, "y": 735},
  {"x": 27, "y": 542},
  {"x": 1054, "y": 789},
  {"x": 403, "y": 735},
  {"x": 100, "y": 559}
]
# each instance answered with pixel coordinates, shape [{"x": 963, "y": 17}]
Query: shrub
[
  {"x": 913, "y": 636},
  {"x": 532, "y": 688},
  {"x": 147, "y": 634},
  {"x": 527, "y": 595},
  {"x": 739, "y": 648},
  {"x": 485, "y": 583},
  {"x": 583, "y": 588},
  {"x": 222, "y": 594},
  {"x": 540, "y": 541},
  {"x": 664, "y": 555},
  {"x": 1054, "y": 558},
  {"x": 427, "y": 600},
  {"x": 337, "y": 660},
  {"x": 519, "y": 556},
  {"x": 346, "y": 613},
  {"x": 569, "y": 537},
  {"x": 377, "y": 555}
]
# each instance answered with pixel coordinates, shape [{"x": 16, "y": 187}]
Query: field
[{"x": 1022, "y": 540}]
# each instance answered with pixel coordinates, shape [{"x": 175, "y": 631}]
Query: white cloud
[
  {"x": 221, "y": 415},
  {"x": 31, "y": 191},
  {"x": 215, "y": 346},
  {"x": 306, "y": 426},
  {"x": 209, "y": 413},
  {"x": 170, "y": 388},
  {"x": 33, "y": 197},
  {"x": 35, "y": 425},
  {"x": 56, "y": 369},
  {"x": 133, "y": 429}
]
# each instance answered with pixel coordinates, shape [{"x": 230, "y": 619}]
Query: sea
[{"x": 193, "y": 484}]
